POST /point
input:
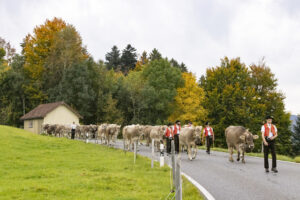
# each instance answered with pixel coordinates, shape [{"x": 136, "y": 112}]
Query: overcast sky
[{"x": 198, "y": 33}]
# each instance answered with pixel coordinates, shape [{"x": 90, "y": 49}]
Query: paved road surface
[{"x": 226, "y": 180}]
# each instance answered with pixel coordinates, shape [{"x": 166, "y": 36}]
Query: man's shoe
[
  {"x": 267, "y": 170},
  {"x": 274, "y": 170}
]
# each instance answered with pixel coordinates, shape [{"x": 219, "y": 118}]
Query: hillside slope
[{"x": 42, "y": 167}]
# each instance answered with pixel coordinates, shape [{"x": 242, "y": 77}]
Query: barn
[{"x": 50, "y": 113}]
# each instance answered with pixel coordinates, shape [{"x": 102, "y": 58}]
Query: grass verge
[
  {"x": 261, "y": 155},
  {"x": 41, "y": 167}
]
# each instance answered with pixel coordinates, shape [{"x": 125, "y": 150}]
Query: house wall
[
  {"x": 33, "y": 125},
  {"x": 61, "y": 115}
]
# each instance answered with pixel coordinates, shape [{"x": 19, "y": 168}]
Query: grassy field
[
  {"x": 279, "y": 157},
  {"x": 42, "y": 167}
]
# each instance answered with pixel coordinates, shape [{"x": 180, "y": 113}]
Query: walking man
[
  {"x": 208, "y": 133},
  {"x": 73, "y": 128},
  {"x": 176, "y": 132},
  {"x": 268, "y": 134},
  {"x": 169, "y": 137}
]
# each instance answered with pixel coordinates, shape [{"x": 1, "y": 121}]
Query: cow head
[
  {"x": 198, "y": 130},
  {"x": 247, "y": 139}
]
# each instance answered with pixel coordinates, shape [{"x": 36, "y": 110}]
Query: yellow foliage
[
  {"x": 37, "y": 47},
  {"x": 188, "y": 102}
]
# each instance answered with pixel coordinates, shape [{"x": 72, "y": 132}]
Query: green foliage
[
  {"x": 181, "y": 66},
  {"x": 296, "y": 138},
  {"x": 236, "y": 95},
  {"x": 128, "y": 59},
  {"x": 113, "y": 59},
  {"x": 155, "y": 55},
  {"x": 40, "y": 167},
  {"x": 163, "y": 80}
]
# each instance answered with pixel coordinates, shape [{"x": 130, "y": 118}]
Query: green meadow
[{"x": 42, "y": 167}]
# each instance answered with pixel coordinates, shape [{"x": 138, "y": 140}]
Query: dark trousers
[
  {"x": 208, "y": 143},
  {"x": 168, "y": 141},
  {"x": 72, "y": 134},
  {"x": 270, "y": 147},
  {"x": 176, "y": 141}
]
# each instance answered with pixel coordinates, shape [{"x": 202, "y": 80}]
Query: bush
[{"x": 297, "y": 159}]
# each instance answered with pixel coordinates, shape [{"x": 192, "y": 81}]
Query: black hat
[
  {"x": 169, "y": 124},
  {"x": 269, "y": 117},
  {"x": 206, "y": 123},
  {"x": 177, "y": 121}
]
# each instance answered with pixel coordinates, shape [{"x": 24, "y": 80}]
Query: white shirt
[
  {"x": 270, "y": 133},
  {"x": 208, "y": 129},
  {"x": 73, "y": 126}
]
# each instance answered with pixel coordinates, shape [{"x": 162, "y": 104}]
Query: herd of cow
[{"x": 237, "y": 137}]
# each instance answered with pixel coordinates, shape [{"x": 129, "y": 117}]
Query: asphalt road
[{"x": 226, "y": 180}]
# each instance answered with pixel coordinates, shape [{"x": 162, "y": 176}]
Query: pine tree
[
  {"x": 113, "y": 59},
  {"x": 296, "y": 137},
  {"x": 155, "y": 55},
  {"x": 128, "y": 59}
]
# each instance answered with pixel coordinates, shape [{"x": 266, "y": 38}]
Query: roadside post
[
  {"x": 152, "y": 157},
  {"x": 161, "y": 158}
]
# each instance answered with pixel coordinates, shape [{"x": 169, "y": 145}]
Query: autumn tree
[
  {"x": 143, "y": 60},
  {"x": 188, "y": 105}
]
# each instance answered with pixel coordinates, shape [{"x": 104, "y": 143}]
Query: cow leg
[
  {"x": 243, "y": 157},
  {"x": 230, "y": 149},
  {"x": 238, "y": 152},
  {"x": 195, "y": 151},
  {"x": 189, "y": 150}
]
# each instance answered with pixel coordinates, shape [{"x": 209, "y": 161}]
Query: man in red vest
[
  {"x": 169, "y": 137},
  {"x": 269, "y": 133},
  {"x": 208, "y": 133},
  {"x": 176, "y": 132}
]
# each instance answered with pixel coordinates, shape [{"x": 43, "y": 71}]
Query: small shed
[{"x": 50, "y": 113}]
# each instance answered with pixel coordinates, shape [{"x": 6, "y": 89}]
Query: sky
[{"x": 196, "y": 32}]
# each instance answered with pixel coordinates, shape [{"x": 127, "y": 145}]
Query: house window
[{"x": 30, "y": 124}]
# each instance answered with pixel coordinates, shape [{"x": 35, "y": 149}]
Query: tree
[
  {"x": 296, "y": 137},
  {"x": 237, "y": 95},
  {"x": 142, "y": 61},
  {"x": 76, "y": 89},
  {"x": 113, "y": 59},
  {"x": 67, "y": 50},
  {"x": 36, "y": 49},
  {"x": 181, "y": 66},
  {"x": 188, "y": 102},
  {"x": 155, "y": 55},
  {"x": 128, "y": 59},
  {"x": 162, "y": 82},
  {"x": 9, "y": 50},
  {"x": 229, "y": 97}
]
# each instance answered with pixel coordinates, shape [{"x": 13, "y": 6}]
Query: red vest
[
  {"x": 169, "y": 132},
  {"x": 176, "y": 129},
  {"x": 267, "y": 130},
  {"x": 206, "y": 131}
]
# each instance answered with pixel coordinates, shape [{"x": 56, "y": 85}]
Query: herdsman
[
  {"x": 269, "y": 133},
  {"x": 176, "y": 132},
  {"x": 169, "y": 137},
  {"x": 73, "y": 129},
  {"x": 208, "y": 133}
]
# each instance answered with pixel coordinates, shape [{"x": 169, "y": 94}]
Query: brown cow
[
  {"x": 189, "y": 138},
  {"x": 239, "y": 138}
]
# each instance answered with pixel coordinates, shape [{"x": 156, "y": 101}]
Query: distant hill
[{"x": 293, "y": 119}]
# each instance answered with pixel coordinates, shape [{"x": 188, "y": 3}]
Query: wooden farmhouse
[{"x": 51, "y": 113}]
